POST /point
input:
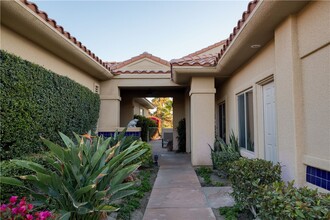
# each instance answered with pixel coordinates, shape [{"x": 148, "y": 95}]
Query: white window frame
[{"x": 245, "y": 119}]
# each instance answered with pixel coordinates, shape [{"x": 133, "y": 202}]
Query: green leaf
[
  {"x": 107, "y": 208},
  {"x": 11, "y": 181},
  {"x": 57, "y": 150},
  {"x": 122, "y": 194},
  {"x": 120, "y": 187},
  {"x": 300, "y": 214},
  {"x": 65, "y": 215},
  {"x": 122, "y": 174},
  {"x": 83, "y": 190},
  {"x": 67, "y": 141},
  {"x": 31, "y": 166}
]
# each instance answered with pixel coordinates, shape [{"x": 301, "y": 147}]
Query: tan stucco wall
[
  {"x": 145, "y": 64},
  {"x": 259, "y": 68},
  {"x": 314, "y": 53},
  {"x": 28, "y": 50},
  {"x": 299, "y": 59},
  {"x": 202, "y": 119}
]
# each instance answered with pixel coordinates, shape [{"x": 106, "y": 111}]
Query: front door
[{"x": 270, "y": 122}]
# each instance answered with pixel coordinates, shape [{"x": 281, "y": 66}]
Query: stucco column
[
  {"x": 202, "y": 102},
  {"x": 188, "y": 127},
  {"x": 289, "y": 101},
  {"x": 109, "y": 111}
]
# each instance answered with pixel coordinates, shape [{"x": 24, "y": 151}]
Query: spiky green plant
[{"x": 89, "y": 175}]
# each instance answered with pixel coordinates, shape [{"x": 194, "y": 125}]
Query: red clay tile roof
[
  {"x": 61, "y": 30},
  {"x": 115, "y": 66},
  {"x": 212, "y": 60},
  {"x": 206, "y": 49},
  {"x": 140, "y": 72},
  {"x": 202, "y": 60}
]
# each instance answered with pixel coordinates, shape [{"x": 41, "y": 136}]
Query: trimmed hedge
[
  {"x": 10, "y": 169},
  {"x": 37, "y": 102},
  {"x": 280, "y": 201},
  {"x": 247, "y": 175}
]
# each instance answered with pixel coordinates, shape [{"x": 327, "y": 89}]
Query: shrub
[
  {"x": 9, "y": 169},
  {"x": 89, "y": 176},
  {"x": 22, "y": 210},
  {"x": 247, "y": 175},
  {"x": 181, "y": 135},
  {"x": 281, "y": 201},
  {"x": 147, "y": 125},
  {"x": 146, "y": 159},
  {"x": 222, "y": 160},
  {"x": 36, "y": 102},
  {"x": 223, "y": 154}
]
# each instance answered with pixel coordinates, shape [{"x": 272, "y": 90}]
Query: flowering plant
[{"x": 15, "y": 210}]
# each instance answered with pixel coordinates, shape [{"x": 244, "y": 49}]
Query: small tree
[{"x": 164, "y": 111}]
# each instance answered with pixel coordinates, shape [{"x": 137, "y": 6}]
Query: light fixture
[{"x": 255, "y": 46}]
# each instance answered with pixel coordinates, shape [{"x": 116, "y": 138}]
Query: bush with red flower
[{"x": 18, "y": 210}]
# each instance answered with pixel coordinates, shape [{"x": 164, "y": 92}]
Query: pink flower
[
  {"x": 22, "y": 209},
  {"x": 13, "y": 199},
  {"x": 3, "y": 207},
  {"x": 14, "y": 211},
  {"x": 44, "y": 215},
  {"x": 22, "y": 202},
  {"x": 29, "y": 217},
  {"x": 30, "y": 206}
]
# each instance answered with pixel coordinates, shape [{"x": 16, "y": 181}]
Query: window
[
  {"x": 141, "y": 111},
  {"x": 222, "y": 121},
  {"x": 245, "y": 120}
]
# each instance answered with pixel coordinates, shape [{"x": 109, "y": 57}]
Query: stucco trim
[
  {"x": 202, "y": 91},
  {"x": 110, "y": 97},
  {"x": 316, "y": 162}
]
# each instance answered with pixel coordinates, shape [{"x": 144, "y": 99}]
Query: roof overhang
[
  {"x": 18, "y": 17},
  {"x": 145, "y": 102},
  {"x": 257, "y": 29},
  {"x": 183, "y": 74}
]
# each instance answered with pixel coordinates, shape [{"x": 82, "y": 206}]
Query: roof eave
[
  {"x": 30, "y": 25},
  {"x": 257, "y": 29},
  {"x": 183, "y": 74},
  {"x": 145, "y": 102}
]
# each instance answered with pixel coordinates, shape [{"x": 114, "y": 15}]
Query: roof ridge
[
  {"x": 141, "y": 56},
  {"x": 198, "y": 52},
  {"x": 43, "y": 15}
]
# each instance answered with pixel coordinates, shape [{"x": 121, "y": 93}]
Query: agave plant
[{"x": 87, "y": 176}]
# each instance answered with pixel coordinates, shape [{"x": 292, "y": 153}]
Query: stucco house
[{"x": 269, "y": 82}]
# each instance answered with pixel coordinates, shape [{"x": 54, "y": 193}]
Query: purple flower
[{"x": 44, "y": 215}]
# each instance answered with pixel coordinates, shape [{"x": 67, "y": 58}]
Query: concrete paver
[
  {"x": 218, "y": 196},
  {"x": 177, "y": 193}
]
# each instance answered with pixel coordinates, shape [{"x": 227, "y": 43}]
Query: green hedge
[
  {"x": 37, "y": 102},
  {"x": 10, "y": 169},
  {"x": 280, "y": 201},
  {"x": 247, "y": 175}
]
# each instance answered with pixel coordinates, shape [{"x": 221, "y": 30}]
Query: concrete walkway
[{"x": 177, "y": 193}]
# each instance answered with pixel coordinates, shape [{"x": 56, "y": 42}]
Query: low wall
[{"x": 136, "y": 132}]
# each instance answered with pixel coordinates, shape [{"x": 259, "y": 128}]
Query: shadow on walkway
[{"x": 177, "y": 193}]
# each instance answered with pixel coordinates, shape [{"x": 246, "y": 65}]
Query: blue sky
[{"x": 119, "y": 30}]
